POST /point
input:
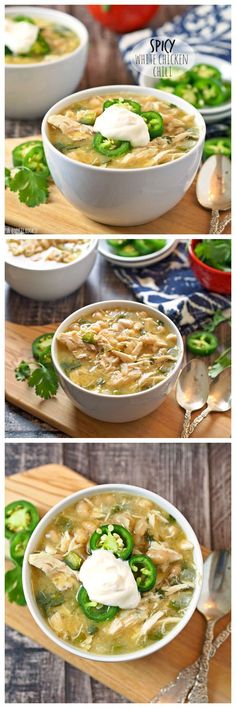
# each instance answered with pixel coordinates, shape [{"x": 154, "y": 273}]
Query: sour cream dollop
[
  {"x": 20, "y": 36},
  {"x": 109, "y": 580},
  {"x": 118, "y": 123}
]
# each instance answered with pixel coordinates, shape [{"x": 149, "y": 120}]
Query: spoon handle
[
  {"x": 214, "y": 223},
  {"x": 176, "y": 691},
  {"x": 222, "y": 225},
  {"x": 199, "y": 692},
  {"x": 199, "y": 419},
  {"x": 186, "y": 424}
]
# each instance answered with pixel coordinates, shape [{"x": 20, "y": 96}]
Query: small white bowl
[
  {"x": 123, "y": 197},
  {"x": 139, "y": 261},
  {"x": 30, "y": 89},
  {"x": 210, "y": 113},
  {"x": 109, "y": 408},
  {"x": 40, "y": 281},
  {"x": 90, "y": 492}
]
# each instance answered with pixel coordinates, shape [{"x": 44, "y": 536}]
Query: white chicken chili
[
  {"x": 129, "y": 553},
  {"x": 48, "y": 250},
  {"x": 117, "y": 351},
  {"x": 123, "y": 131}
]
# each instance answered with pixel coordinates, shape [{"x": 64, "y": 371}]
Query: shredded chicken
[
  {"x": 61, "y": 575},
  {"x": 160, "y": 553}
]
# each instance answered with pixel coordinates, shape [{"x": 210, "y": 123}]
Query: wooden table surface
[
  {"x": 195, "y": 477},
  {"x": 105, "y": 65}
]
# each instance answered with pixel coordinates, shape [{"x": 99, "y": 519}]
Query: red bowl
[{"x": 212, "y": 279}]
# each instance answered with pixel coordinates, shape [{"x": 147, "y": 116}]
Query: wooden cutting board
[
  {"x": 60, "y": 413},
  {"x": 137, "y": 680},
  {"x": 58, "y": 216}
]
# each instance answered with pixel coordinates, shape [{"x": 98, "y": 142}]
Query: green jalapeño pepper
[
  {"x": 205, "y": 71},
  {"x": 19, "y": 153},
  {"x": 39, "y": 48},
  {"x": 23, "y": 18},
  {"x": 18, "y": 545},
  {"x": 154, "y": 122},
  {"x": 212, "y": 92},
  {"x": 217, "y": 146},
  {"x": 20, "y": 516},
  {"x": 202, "y": 343},
  {"x": 35, "y": 160},
  {"x": 93, "y": 610},
  {"x": 125, "y": 102},
  {"x": 227, "y": 89},
  {"x": 73, "y": 560},
  {"x": 41, "y": 345},
  {"x": 111, "y": 148},
  {"x": 188, "y": 93},
  {"x": 145, "y": 246},
  {"x": 144, "y": 571},
  {"x": 113, "y": 537}
]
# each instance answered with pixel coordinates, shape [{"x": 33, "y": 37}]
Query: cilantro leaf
[
  {"x": 216, "y": 319},
  {"x": 14, "y": 587},
  {"x": 22, "y": 371},
  {"x": 222, "y": 362},
  {"x": 45, "y": 381},
  {"x": 32, "y": 187},
  {"x": 7, "y": 176}
]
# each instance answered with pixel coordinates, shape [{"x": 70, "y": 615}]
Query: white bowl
[
  {"x": 139, "y": 261},
  {"x": 109, "y": 408},
  {"x": 35, "y": 280},
  {"x": 90, "y": 492},
  {"x": 30, "y": 89},
  {"x": 210, "y": 113},
  {"x": 123, "y": 197}
]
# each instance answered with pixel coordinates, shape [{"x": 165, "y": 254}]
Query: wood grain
[
  {"x": 58, "y": 216},
  {"x": 59, "y": 412},
  {"x": 45, "y": 486}
]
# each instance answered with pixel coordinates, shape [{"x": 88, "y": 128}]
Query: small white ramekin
[
  {"x": 30, "y": 89},
  {"x": 123, "y": 197},
  {"x": 109, "y": 408},
  {"x": 90, "y": 492},
  {"x": 41, "y": 283}
]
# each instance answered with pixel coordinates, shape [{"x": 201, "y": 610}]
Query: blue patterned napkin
[
  {"x": 207, "y": 28},
  {"x": 171, "y": 287}
]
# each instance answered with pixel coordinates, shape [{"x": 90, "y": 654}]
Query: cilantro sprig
[
  {"x": 14, "y": 586},
  {"x": 40, "y": 373},
  {"x": 32, "y": 187},
  {"x": 222, "y": 362},
  {"x": 30, "y": 175}
]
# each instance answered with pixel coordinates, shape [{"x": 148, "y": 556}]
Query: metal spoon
[
  {"x": 219, "y": 398},
  {"x": 192, "y": 390},
  {"x": 177, "y": 691},
  {"x": 213, "y": 190},
  {"x": 214, "y": 602}
]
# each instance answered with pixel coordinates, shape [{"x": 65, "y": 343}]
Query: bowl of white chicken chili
[
  {"x": 124, "y": 155},
  {"x": 48, "y": 269},
  {"x": 117, "y": 360},
  {"x": 112, "y": 573},
  {"x": 45, "y": 57}
]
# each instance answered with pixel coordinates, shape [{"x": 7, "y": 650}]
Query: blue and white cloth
[
  {"x": 172, "y": 288},
  {"x": 206, "y": 28}
]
